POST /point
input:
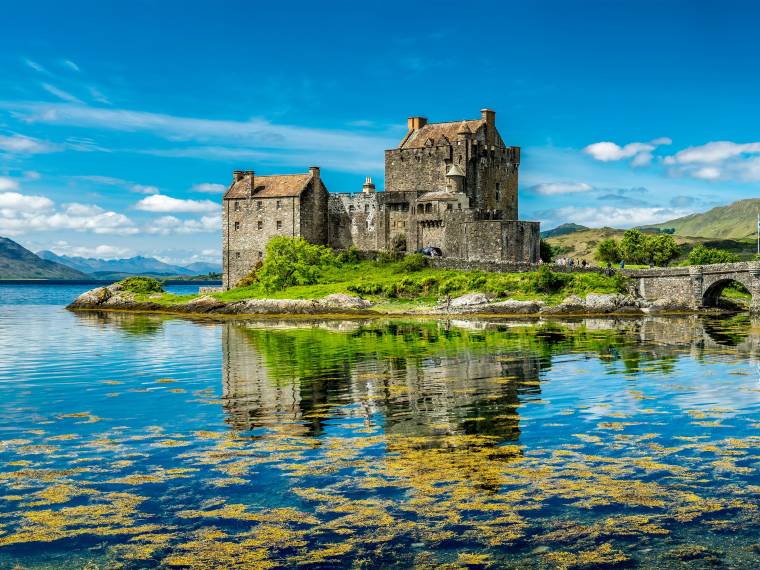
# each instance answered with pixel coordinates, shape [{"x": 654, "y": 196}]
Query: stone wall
[
  {"x": 352, "y": 220},
  {"x": 314, "y": 213},
  {"x": 248, "y": 225}
]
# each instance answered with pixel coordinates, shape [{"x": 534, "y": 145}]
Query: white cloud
[
  {"x": 60, "y": 93},
  {"x": 15, "y": 202},
  {"x": 23, "y": 213},
  {"x": 71, "y": 65},
  {"x": 7, "y": 184},
  {"x": 718, "y": 160},
  {"x": 35, "y": 66},
  {"x": 640, "y": 152},
  {"x": 32, "y": 175},
  {"x": 161, "y": 203},
  {"x": 103, "y": 251},
  {"x": 22, "y": 144},
  {"x": 209, "y": 188},
  {"x": 142, "y": 189},
  {"x": 172, "y": 225},
  {"x": 552, "y": 188},
  {"x": 345, "y": 149},
  {"x": 615, "y": 217}
]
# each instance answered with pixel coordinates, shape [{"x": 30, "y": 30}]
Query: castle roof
[
  {"x": 275, "y": 186},
  {"x": 439, "y": 196},
  {"x": 455, "y": 170},
  {"x": 434, "y": 131}
]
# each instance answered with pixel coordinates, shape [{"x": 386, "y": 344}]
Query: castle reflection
[{"x": 425, "y": 380}]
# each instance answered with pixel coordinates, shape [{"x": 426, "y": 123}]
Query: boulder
[
  {"x": 668, "y": 304},
  {"x": 468, "y": 300},
  {"x": 92, "y": 298},
  {"x": 203, "y": 304},
  {"x": 341, "y": 301},
  {"x": 569, "y": 305},
  {"x": 511, "y": 307},
  {"x": 611, "y": 303}
]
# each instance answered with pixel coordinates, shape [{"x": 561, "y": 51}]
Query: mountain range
[
  {"x": 734, "y": 221},
  {"x": 17, "y": 262}
]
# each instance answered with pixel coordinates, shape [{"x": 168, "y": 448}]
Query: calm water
[{"x": 131, "y": 441}]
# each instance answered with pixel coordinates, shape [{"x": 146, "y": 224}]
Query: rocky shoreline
[{"x": 114, "y": 298}]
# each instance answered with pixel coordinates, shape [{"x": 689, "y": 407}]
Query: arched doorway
[{"x": 727, "y": 293}]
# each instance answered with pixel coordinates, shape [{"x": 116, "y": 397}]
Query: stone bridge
[{"x": 699, "y": 285}]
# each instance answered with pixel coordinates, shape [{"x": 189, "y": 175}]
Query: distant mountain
[
  {"x": 735, "y": 221},
  {"x": 120, "y": 268},
  {"x": 562, "y": 230},
  {"x": 204, "y": 268},
  {"x": 17, "y": 262},
  {"x": 138, "y": 265}
]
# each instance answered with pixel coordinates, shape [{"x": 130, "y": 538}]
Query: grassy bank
[{"x": 410, "y": 283}]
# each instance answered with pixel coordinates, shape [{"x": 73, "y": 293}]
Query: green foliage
[
  {"x": 547, "y": 281},
  {"x": 670, "y": 231},
  {"x": 413, "y": 262},
  {"x": 351, "y": 255},
  {"x": 631, "y": 246},
  {"x": 546, "y": 251},
  {"x": 141, "y": 285},
  {"x": 252, "y": 277},
  {"x": 293, "y": 261},
  {"x": 660, "y": 249},
  {"x": 702, "y": 255},
  {"x": 607, "y": 251}
]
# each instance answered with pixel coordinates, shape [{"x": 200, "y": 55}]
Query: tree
[
  {"x": 546, "y": 251},
  {"x": 659, "y": 249},
  {"x": 630, "y": 247},
  {"x": 293, "y": 261},
  {"x": 608, "y": 251},
  {"x": 702, "y": 255}
]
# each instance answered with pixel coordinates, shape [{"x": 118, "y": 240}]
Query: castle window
[
  {"x": 351, "y": 208},
  {"x": 459, "y": 206},
  {"x": 261, "y": 254},
  {"x": 237, "y": 255},
  {"x": 498, "y": 195},
  {"x": 237, "y": 205},
  {"x": 237, "y": 226},
  {"x": 279, "y": 224},
  {"x": 260, "y": 225},
  {"x": 428, "y": 208},
  {"x": 448, "y": 207},
  {"x": 258, "y": 204},
  {"x": 366, "y": 208},
  {"x": 278, "y": 205}
]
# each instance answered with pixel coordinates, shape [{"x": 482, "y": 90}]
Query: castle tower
[{"x": 455, "y": 178}]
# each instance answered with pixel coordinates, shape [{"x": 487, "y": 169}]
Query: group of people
[{"x": 570, "y": 262}]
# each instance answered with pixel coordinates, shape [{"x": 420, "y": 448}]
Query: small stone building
[{"x": 449, "y": 185}]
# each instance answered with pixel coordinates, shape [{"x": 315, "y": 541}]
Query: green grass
[{"x": 393, "y": 287}]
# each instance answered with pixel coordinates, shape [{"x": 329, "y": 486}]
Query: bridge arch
[{"x": 713, "y": 287}]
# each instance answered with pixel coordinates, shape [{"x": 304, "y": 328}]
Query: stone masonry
[{"x": 449, "y": 185}]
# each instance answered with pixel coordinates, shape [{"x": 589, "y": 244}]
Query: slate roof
[
  {"x": 418, "y": 138},
  {"x": 439, "y": 196},
  {"x": 275, "y": 186}
]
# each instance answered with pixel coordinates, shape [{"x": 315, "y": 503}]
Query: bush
[
  {"x": 351, "y": 255},
  {"x": 143, "y": 285},
  {"x": 702, "y": 255},
  {"x": 546, "y": 251},
  {"x": 453, "y": 285},
  {"x": 660, "y": 249},
  {"x": 252, "y": 277},
  {"x": 293, "y": 261},
  {"x": 547, "y": 281},
  {"x": 413, "y": 262},
  {"x": 607, "y": 251}
]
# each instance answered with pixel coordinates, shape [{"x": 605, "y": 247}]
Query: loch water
[{"x": 139, "y": 441}]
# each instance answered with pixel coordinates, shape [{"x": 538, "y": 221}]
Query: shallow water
[{"x": 137, "y": 441}]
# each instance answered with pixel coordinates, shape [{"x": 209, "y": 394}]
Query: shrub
[
  {"x": 252, "y": 277},
  {"x": 427, "y": 284},
  {"x": 547, "y": 281},
  {"x": 293, "y": 261},
  {"x": 546, "y": 251},
  {"x": 141, "y": 285},
  {"x": 453, "y": 284},
  {"x": 660, "y": 249},
  {"x": 607, "y": 251},
  {"x": 702, "y": 255},
  {"x": 351, "y": 255},
  {"x": 413, "y": 262}
]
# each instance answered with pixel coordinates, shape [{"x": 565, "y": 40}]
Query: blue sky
[{"x": 120, "y": 122}]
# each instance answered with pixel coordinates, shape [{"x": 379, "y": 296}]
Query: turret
[
  {"x": 368, "y": 187},
  {"x": 455, "y": 176}
]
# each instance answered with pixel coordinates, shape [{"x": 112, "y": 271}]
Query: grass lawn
[{"x": 392, "y": 285}]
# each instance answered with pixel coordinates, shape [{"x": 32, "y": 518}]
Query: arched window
[
  {"x": 420, "y": 209},
  {"x": 428, "y": 208}
]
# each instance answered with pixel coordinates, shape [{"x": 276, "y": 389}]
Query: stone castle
[{"x": 448, "y": 185}]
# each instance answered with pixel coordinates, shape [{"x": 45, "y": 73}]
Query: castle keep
[{"x": 447, "y": 185}]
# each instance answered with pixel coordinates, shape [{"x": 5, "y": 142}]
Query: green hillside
[
  {"x": 736, "y": 221},
  {"x": 562, "y": 230},
  {"x": 17, "y": 262}
]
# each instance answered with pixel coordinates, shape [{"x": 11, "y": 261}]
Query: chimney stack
[
  {"x": 250, "y": 174},
  {"x": 368, "y": 186},
  {"x": 237, "y": 175},
  {"x": 315, "y": 176},
  {"x": 414, "y": 123},
  {"x": 488, "y": 117}
]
